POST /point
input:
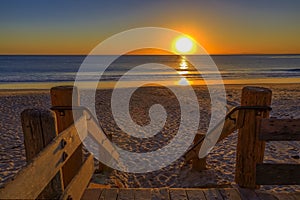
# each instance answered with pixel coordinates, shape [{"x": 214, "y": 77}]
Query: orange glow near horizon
[
  {"x": 213, "y": 43},
  {"x": 149, "y": 51}
]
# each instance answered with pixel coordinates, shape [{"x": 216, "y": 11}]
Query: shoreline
[{"x": 45, "y": 87}]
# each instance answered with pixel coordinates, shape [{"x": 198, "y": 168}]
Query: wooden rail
[
  {"x": 278, "y": 174},
  {"x": 230, "y": 125},
  {"x": 51, "y": 143},
  {"x": 254, "y": 129},
  {"x": 280, "y": 130},
  {"x": 31, "y": 181}
]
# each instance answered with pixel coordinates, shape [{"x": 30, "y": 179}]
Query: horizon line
[{"x": 221, "y": 54}]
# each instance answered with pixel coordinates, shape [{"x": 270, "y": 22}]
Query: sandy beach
[{"x": 220, "y": 162}]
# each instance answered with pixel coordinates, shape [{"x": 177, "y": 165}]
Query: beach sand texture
[{"x": 220, "y": 162}]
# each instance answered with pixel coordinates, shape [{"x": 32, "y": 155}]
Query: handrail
[
  {"x": 237, "y": 108},
  {"x": 90, "y": 125},
  {"x": 91, "y": 116},
  {"x": 229, "y": 117},
  {"x": 44, "y": 166},
  {"x": 93, "y": 129}
]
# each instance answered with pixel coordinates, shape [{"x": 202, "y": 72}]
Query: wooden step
[{"x": 182, "y": 194}]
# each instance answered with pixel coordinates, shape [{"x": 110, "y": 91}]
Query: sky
[{"x": 221, "y": 27}]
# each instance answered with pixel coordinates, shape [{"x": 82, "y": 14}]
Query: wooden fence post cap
[
  {"x": 256, "y": 89},
  {"x": 64, "y": 95},
  {"x": 64, "y": 87},
  {"x": 37, "y": 112}
]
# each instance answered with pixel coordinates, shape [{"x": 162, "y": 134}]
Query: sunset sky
[{"x": 221, "y": 27}]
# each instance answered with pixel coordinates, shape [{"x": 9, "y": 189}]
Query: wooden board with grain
[
  {"x": 109, "y": 194},
  {"x": 160, "y": 194},
  {"x": 278, "y": 174},
  {"x": 189, "y": 194},
  {"x": 93, "y": 193},
  {"x": 78, "y": 184},
  {"x": 280, "y": 130},
  {"x": 229, "y": 194},
  {"x": 195, "y": 194},
  {"x": 30, "y": 181},
  {"x": 250, "y": 150},
  {"x": 212, "y": 193},
  {"x": 68, "y": 96},
  {"x": 228, "y": 127},
  {"x": 179, "y": 194},
  {"x": 142, "y": 194},
  {"x": 126, "y": 194},
  {"x": 39, "y": 129}
]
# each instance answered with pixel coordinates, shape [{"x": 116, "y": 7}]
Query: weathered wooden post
[
  {"x": 39, "y": 128},
  {"x": 250, "y": 150},
  {"x": 63, "y": 96},
  {"x": 198, "y": 164}
]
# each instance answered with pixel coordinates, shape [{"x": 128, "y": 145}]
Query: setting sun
[{"x": 184, "y": 45}]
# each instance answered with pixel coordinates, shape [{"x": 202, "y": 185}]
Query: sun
[{"x": 184, "y": 45}]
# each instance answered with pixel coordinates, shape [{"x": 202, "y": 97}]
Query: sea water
[{"x": 24, "y": 69}]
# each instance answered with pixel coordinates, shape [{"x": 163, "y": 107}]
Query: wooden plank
[
  {"x": 198, "y": 164},
  {"x": 39, "y": 129},
  {"x": 79, "y": 183},
  {"x": 280, "y": 130},
  {"x": 296, "y": 195},
  {"x": 195, "y": 194},
  {"x": 30, "y": 181},
  {"x": 33, "y": 131},
  {"x": 126, "y": 194},
  {"x": 212, "y": 194},
  {"x": 230, "y": 194},
  {"x": 227, "y": 128},
  {"x": 248, "y": 194},
  {"x": 278, "y": 174},
  {"x": 98, "y": 134},
  {"x": 142, "y": 194},
  {"x": 177, "y": 194},
  {"x": 90, "y": 194},
  {"x": 265, "y": 196},
  {"x": 67, "y": 96},
  {"x": 160, "y": 194},
  {"x": 287, "y": 196},
  {"x": 109, "y": 194},
  {"x": 229, "y": 125},
  {"x": 250, "y": 150}
]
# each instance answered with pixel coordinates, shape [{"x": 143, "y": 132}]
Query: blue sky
[{"x": 75, "y": 27}]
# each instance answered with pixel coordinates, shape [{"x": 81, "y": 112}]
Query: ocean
[{"x": 54, "y": 69}]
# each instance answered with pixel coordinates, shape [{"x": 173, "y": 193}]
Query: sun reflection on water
[
  {"x": 183, "y": 70},
  {"x": 183, "y": 64},
  {"x": 183, "y": 81}
]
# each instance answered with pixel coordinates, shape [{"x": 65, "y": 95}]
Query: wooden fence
[
  {"x": 57, "y": 169},
  {"x": 56, "y": 166},
  {"x": 252, "y": 121},
  {"x": 278, "y": 174}
]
